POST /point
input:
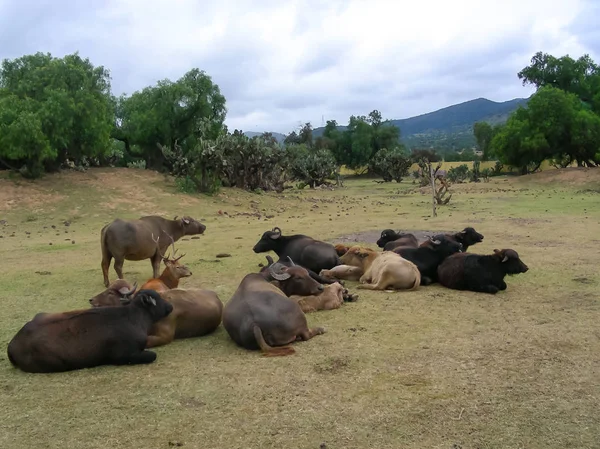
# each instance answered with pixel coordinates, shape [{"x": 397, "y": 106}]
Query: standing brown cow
[{"x": 135, "y": 240}]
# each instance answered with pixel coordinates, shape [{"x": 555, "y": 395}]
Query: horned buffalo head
[
  {"x": 294, "y": 280},
  {"x": 445, "y": 246},
  {"x": 191, "y": 226},
  {"x": 153, "y": 302},
  {"x": 387, "y": 235},
  {"x": 268, "y": 241},
  {"x": 119, "y": 292},
  {"x": 469, "y": 236},
  {"x": 511, "y": 261}
]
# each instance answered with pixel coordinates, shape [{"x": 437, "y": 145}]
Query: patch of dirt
[
  {"x": 333, "y": 365},
  {"x": 569, "y": 176},
  {"x": 373, "y": 235},
  {"x": 527, "y": 221},
  {"x": 26, "y": 194}
]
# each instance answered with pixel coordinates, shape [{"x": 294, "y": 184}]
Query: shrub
[
  {"x": 458, "y": 174},
  {"x": 390, "y": 164},
  {"x": 312, "y": 167}
]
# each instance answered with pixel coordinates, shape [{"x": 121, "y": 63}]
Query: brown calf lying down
[
  {"x": 343, "y": 272},
  {"x": 383, "y": 270},
  {"x": 196, "y": 312},
  {"x": 332, "y": 297}
]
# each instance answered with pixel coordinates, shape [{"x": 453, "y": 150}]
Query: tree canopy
[{"x": 53, "y": 109}]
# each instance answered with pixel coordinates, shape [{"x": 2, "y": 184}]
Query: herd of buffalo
[{"x": 266, "y": 312}]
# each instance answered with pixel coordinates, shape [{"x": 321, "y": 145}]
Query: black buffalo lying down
[
  {"x": 55, "y": 342},
  {"x": 314, "y": 255},
  {"x": 479, "y": 273}
]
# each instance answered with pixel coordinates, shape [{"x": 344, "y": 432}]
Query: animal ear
[
  {"x": 496, "y": 251},
  {"x": 148, "y": 300}
]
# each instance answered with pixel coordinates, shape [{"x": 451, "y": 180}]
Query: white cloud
[{"x": 281, "y": 63}]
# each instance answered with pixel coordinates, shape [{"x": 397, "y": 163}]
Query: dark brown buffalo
[
  {"x": 467, "y": 237},
  {"x": 428, "y": 258},
  {"x": 480, "y": 273},
  {"x": 390, "y": 239},
  {"x": 196, "y": 312},
  {"x": 307, "y": 252},
  {"x": 56, "y": 342},
  {"x": 144, "y": 238},
  {"x": 260, "y": 315}
]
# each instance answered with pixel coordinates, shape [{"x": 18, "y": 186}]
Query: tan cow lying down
[
  {"x": 343, "y": 272},
  {"x": 331, "y": 298},
  {"x": 383, "y": 270}
]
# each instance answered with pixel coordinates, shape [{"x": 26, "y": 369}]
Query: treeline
[
  {"x": 61, "y": 112},
  {"x": 561, "y": 122}
]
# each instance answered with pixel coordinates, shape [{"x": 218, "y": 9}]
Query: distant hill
[
  {"x": 446, "y": 129},
  {"x": 280, "y": 137},
  {"x": 450, "y": 127}
]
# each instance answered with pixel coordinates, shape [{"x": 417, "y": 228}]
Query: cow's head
[
  {"x": 469, "y": 236},
  {"x": 387, "y": 235},
  {"x": 510, "y": 261},
  {"x": 268, "y": 242},
  {"x": 294, "y": 280},
  {"x": 357, "y": 256},
  {"x": 190, "y": 225},
  {"x": 119, "y": 292},
  {"x": 153, "y": 302},
  {"x": 341, "y": 249},
  {"x": 444, "y": 246}
]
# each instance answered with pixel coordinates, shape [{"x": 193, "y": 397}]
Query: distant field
[
  {"x": 432, "y": 368},
  {"x": 448, "y": 165}
]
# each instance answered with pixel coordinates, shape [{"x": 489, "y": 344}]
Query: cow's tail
[
  {"x": 270, "y": 351},
  {"x": 106, "y": 255}
]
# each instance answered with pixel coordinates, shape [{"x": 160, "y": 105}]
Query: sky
[{"x": 280, "y": 63}]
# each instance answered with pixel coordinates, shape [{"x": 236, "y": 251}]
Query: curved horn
[
  {"x": 128, "y": 293},
  {"x": 291, "y": 261},
  {"x": 269, "y": 260},
  {"x": 276, "y": 229},
  {"x": 275, "y": 272},
  {"x": 505, "y": 259}
]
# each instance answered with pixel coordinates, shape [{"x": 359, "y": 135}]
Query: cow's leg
[
  {"x": 162, "y": 333},
  {"x": 119, "y": 266},
  {"x": 155, "y": 262},
  {"x": 267, "y": 350},
  {"x": 105, "y": 266},
  {"x": 490, "y": 289},
  {"x": 307, "y": 333},
  {"x": 136, "y": 358},
  {"x": 502, "y": 285}
]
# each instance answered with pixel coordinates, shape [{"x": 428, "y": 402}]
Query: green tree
[
  {"x": 64, "y": 103},
  {"x": 391, "y": 164},
  {"x": 173, "y": 112},
  {"x": 483, "y": 132},
  {"x": 579, "y": 77}
]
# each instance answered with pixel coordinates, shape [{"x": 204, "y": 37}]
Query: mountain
[
  {"x": 280, "y": 137},
  {"x": 450, "y": 127}
]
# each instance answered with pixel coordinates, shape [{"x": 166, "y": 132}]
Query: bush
[
  {"x": 458, "y": 174},
  {"x": 312, "y": 167},
  {"x": 137, "y": 164},
  {"x": 485, "y": 174},
  {"x": 390, "y": 164},
  {"x": 475, "y": 174}
]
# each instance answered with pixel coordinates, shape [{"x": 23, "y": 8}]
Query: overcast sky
[{"x": 281, "y": 63}]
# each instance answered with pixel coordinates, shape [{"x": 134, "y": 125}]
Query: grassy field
[{"x": 433, "y": 368}]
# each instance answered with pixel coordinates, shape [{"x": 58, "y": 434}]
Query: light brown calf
[
  {"x": 343, "y": 272},
  {"x": 331, "y": 298},
  {"x": 383, "y": 270}
]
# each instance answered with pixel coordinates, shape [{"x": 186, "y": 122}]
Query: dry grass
[{"x": 434, "y": 368}]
